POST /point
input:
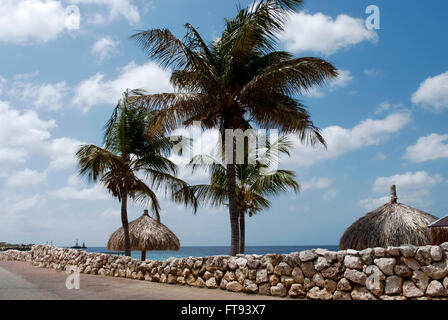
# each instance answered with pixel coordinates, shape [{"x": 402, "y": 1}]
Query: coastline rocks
[
  {"x": 307, "y": 255},
  {"x": 297, "y": 275},
  {"x": 411, "y": 263},
  {"x": 361, "y": 293},
  {"x": 437, "y": 270},
  {"x": 352, "y": 262},
  {"x": 340, "y": 295},
  {"x": 282, "y": 269},
  {"x": 344, "y": 285},
  {"x": 436, "y": 289},
  {"x": 408, "y": 251},
  {"x": 421, "y": 280},
  {"x": 410, "y": 290},
  {"x": 308, "y": 269},
  {"x": 355, "y": 276},
  {"x": 319, "y": 294},
  {"x": 436, "y": 253},
  {"x": 386, "y": 265},
  {"x": 296, "y": 291},
  {"x": 393, "y": 273},
  {"x": 320, "y": 263},
  {"x": 402, "y": 270},
  {"x": 262, "y": 276},
  {"x": 234, "y": 286},
  {"x": 394, "y": 285},
  {"x": 211, "y": 283},
  {"x": 278, "y": 290}
]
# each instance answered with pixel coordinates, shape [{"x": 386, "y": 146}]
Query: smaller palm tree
[
  {"x": 130, "y": 157},
  {"x": 255, "y": 183}
]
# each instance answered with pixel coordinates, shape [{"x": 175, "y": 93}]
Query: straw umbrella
[
  {"x": 392, "y": 224},
  {"x": 145, "y": 234},
  {"x": 439, "y": 230}
]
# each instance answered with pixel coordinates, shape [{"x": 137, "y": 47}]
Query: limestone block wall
[{"x": 393, "y": 273}]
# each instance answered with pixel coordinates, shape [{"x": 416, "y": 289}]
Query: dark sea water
[{"x": 213, "y": 251}]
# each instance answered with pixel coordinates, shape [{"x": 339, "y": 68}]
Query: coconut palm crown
[
  {"x": 237, "y": 81},
  {"x": 128, "y": 159}
]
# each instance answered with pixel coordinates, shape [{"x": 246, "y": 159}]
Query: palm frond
[
  {"x": 292, "y": 76},
  {"x": 272, "y": 183},
  {"x": 210, "y": 195},
  {"x": 287, "y": 114},
  {"x": 147, "y": 197},
  {"x": 94, "y": 161}
]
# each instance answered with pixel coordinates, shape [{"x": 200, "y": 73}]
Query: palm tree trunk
[
  {"x": 124, "y": 222},
  {"x": 242, "y": 232},
  {"x": 233, "y": 209}
]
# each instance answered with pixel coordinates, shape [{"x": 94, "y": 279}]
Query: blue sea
[{"x": 213, "y": 251}]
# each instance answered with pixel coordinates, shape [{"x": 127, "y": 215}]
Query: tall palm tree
[
  {"x": 255, "y": 183},
  {"x": 128, "y": 158},
  {"x": 236, "y": 82}
]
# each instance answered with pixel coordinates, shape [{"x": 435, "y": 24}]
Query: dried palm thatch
[
  {"x": 145, "y": 234},
  {"x": 392, "y": 224},
  {"x": 439, "y": 231}
]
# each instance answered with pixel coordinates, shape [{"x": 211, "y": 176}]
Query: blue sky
[{"x": 384, "y": 118}]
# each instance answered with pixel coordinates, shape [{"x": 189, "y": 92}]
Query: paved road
[{"x": 20, "y": 280}]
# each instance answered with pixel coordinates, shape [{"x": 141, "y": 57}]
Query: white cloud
[
  {"x": 316, "y": 184},
  {"x": 25, "y": 178},
  {"x": 323, "y": 34},
  {"x": 96, "y": 90},
  {"x": 413, "y": 188},
  {"x": 61, "y": 152},
  {"x": 2, "y": 84},
  {"x": 30, "y": 21},
  {"x": 112, "y": 213},
  {"x": 24, "y": 205},
  {"x": 373, "y": 72},
  {"x": 105, "y": 48},
  {"x": 383, "y": 107},
  {"x": 433, "y": 92},
  {"x": 10, "y": 157},
  {"x": 23, "y": 134},
  {"x": 342, "y": 81},
  {"x": 46, "y": 96},
  {"x": 330, "y": 194},
  {"x": 407, "y": 181},
  {"x": 49, "y": 96},
  {"x": 115, "y": 9},
  {"x": 417, "y": 198},
  {"x": 430, "y": 147},
  {"x": 387, "y": 107},
  {"x": 75, "y": 190},
  {"x": 373, "y": 203},
  {"x": 341, "y": 140},
  {"x": 26, "y": 75},
  {"x": 22, "y": 21},
  {"x": 381, "y": 156}
]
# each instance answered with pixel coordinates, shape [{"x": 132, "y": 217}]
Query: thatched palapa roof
[
  {"x": 392, "y": 224},
  {"x": 145, "y": 234},
  {"x": 439, "y": 230}
]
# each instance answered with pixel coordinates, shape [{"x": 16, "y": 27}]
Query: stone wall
[{"x": 393, "y": 273}]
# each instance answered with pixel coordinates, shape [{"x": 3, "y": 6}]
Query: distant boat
[{"x": 77, "y": 246}]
